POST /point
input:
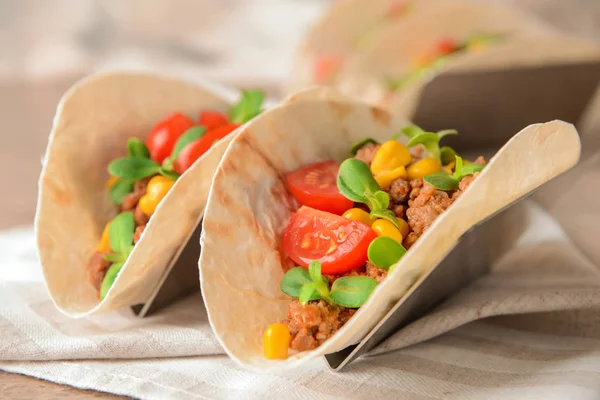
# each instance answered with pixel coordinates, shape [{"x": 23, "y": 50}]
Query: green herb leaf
[
  {"x": 412, "y": 131},
  {"x": 446, "y": 132},
  {"x": 119, "y": 190},
  {"x": 427, "y": 139},
  {"x": 470, "y": 168},
  {"x": 109, "y": 279},
  {"x": 189, "y": 136},
  {"x": 355, "y": 180},
  {"x": 447, "y": 155},
  {"x": 387, "y": 215},
  {"x": 352, "y": 291},
  {"x": 116, "y": 257},
  {"x": 169, "y": 174},
  {"x": 378, "y": 200},
  {"x": 308, "y": 292},
  {"x": 314, "y": 270},
  {"x": 356, "y": 146},
  {"x": 458, "y": 168},
  {"x": 133, "y": 168},
  {"x": 137, "y": 148},
  {"x": 293, "y": 280},
  {"x": 248, "y": 107},
  {"x": 385, "y": 252},
  {"x": 120, "y": 232},
  {"x": 441, "y": 180}
]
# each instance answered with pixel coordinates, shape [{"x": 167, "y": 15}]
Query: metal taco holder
[{"x": 468, "y": 102}]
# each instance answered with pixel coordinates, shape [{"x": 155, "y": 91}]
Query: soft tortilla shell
[
  {"x": 93, "y": 122},
  {"x": 528, "y": 43},
  {"x": 339, "y": 30},
  {"x": 248, "y": 208}
]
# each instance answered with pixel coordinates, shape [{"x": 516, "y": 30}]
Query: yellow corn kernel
[
  {"x": 422, "y": 61},
  {"x": 359, "y": 215},
  {"x": 104, "y": 245},
  {"x": 477, "y": 46},
  {"x": 385, "y": 178},
  {"x": 390, "y": 156},
  {"x": 157, "y": 189},
  {"x": 277, "y": 341},
  {"x": 111, "y": 182},
  {"x": 403, "y": 227},
  {"x": 384, "y": 227},
  {"x": 450, "y": 167},
  {"x": 424, "y": 167}
]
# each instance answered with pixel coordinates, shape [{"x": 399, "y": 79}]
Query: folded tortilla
[
  {"x": 347, "y": 26},
  {"x": 93, "y": 122},
  {"x": 526, "y": 42},
  {"x": 248, "y": 208}
]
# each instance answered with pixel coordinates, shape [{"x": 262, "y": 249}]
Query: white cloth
[{"x": 174, "y": 355}]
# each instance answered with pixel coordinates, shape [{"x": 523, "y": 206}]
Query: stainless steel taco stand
[{"x": 487, "y": 108}]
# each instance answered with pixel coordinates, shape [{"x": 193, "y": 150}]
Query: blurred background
[{"x": 46, "y": 45}]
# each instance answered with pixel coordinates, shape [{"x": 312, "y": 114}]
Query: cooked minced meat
[
  {"x": 367, "y": 152},
  {"x": 314, "y": 323}
]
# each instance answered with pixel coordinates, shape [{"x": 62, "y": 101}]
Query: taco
[
  {"x": 126, "y": 155},
  {"x": 330, "y": 219},
  {"x": 455, "y": 37},
  {"x": 345, "y": 28}
]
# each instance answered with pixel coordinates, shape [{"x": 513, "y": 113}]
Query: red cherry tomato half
[
  {"x": 212, "y": 119},
  {"x": 195, "y": 150},
  {"x": 164, "y": 135},
  {"x": 316, "y": 186},
  {"x": 339, "y": 243},
  {"x": 325, "y": 68},
  {"x": 445, "y": 46}
]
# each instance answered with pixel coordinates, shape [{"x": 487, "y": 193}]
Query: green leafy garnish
[
  {"x": 355, "y": 181},
  {"x": 109, "y": 278},
  {"x": 386, "y": 214},
  {"x": 137, "y": 148},
  {"x": 133, "y": 168},
  {"x": 352, "y": 291},
  {"x": 189, "y": 136},
  {"x": 248, "y": 107},
  {"x": 429, "y": 140},
  {"x": 356, "y": 146},
  {"x": 120, "y": 236},
  {"x": 348, "y": 291},
  {"x": 120, "y": 189},
  {"x": 445, "y": 181},
  {"x": 293, "y": 280},
  {"x": 447, "y": 154},
  {"x": 385, "y": 252},
  {"x": 120, "y": 232}
]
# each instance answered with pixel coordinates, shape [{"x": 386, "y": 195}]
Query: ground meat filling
[
  {"x": 413, "y": 200},
  {"x": 367, "y": 152},
  {"x": 314, "y": 323},
  {"x": 97, "y": 266}
]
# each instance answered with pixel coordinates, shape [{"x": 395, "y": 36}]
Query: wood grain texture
[{"x": 21, "y": 387}]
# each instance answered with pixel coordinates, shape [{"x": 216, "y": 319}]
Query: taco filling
[
  {"x": 356, "y": 220},
  {"x": 140, "y": 181},
  {"x": 434, "y": 60}
]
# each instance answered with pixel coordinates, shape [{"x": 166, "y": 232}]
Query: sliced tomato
[
  {"x": 325, "y": 67},
  {"x": 212, "y": 119},
  {"x": 316, "y": 186},
  {"x": 222, "y": 131},
  {"x": 339, "y": 243},
  {"x": 195, "y": 150},
  {"x": 445, "y": 46},
  {"x": 164, "y": 135}
]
